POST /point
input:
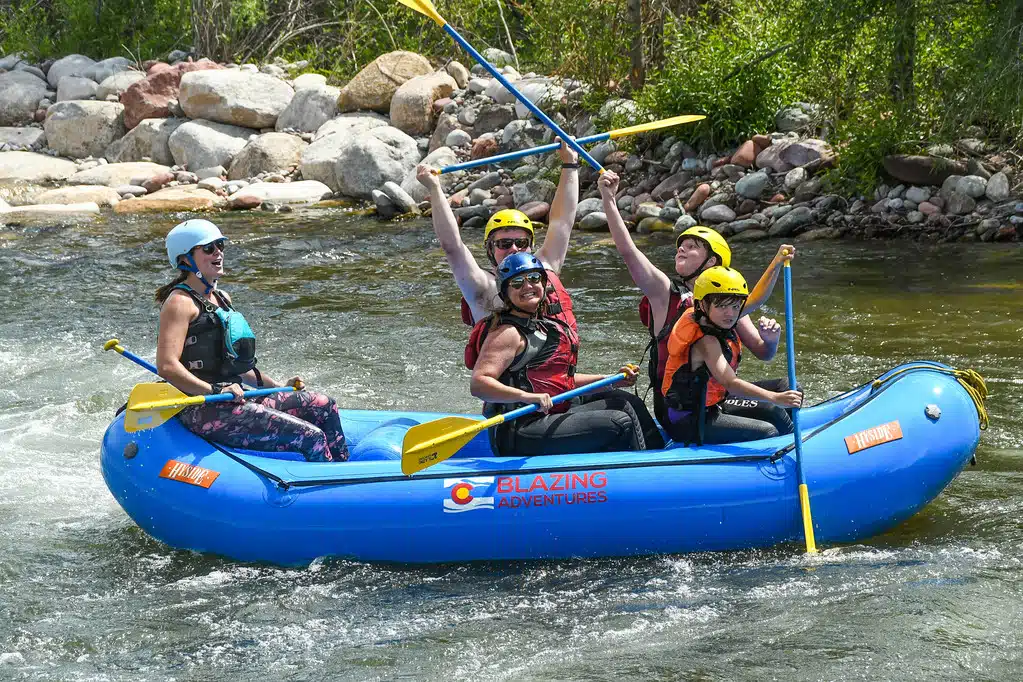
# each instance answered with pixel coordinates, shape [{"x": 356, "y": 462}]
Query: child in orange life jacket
[
  {"x": 523, "y": 355},
  {"x": 704, "y": 351},
  {"x": 666, "y": 298}
]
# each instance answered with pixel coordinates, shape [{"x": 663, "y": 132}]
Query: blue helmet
[
  {"x": 187, "y": 235},
  {"x": 517, "y": 264}
]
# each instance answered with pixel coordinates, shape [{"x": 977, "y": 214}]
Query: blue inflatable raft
[{"x": 872, "y": 457}]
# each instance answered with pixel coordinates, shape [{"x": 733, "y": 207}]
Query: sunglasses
[
  {"x": 217, "y": 245},
  {"x": 504, "y": 244},
  {"x": 520, "y": 281}
]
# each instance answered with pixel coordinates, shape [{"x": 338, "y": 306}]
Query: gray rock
[
  {"x": 749, "y": 236},
  {"x": 20, "y": 93},
  {"x": 26, "y": 139},
  {"x": 118, "y": 174},
  {"x": 718, "y": 214},
  {"x": 896, "y": 192},
  {"x": 150, "y": 139},
  {"x": 478, "y": 85},
  {"x": 494, "y": 117},
  {"x": 533, "y": 190},
  {"x": 915, "y": 217},
  {"x": 467, "y": 117},
  {"x": 949, "y": 186},
  {"x": 458, "y": 138},
  {"x": 498, "y": 58},
  {"x": 670, "y": 214},
  {"x": 76, "y": 87},
  {"x": 385, "y": 207},
  {"x": 71, "y": 65},
  {"x": 972, "y": 186},
  {"x": 400, "y": 198},
  {"x": 918, "y": 195},
  {"x": 478, "y": 196},
  {"x": 102, "y": 70},
  {"x": 176, "y": 56},
  {"x": 118, "y": 83},
  {"x": 202, "y": 144},
  {"x": 11, "y": 61},
  {"x": 753, "y": 185},
  {"x": 792, "y": 220},
  {"x": 487, "y": 181},
  {"x": 647, "y": 209},
  {"x": 684, "y": 222},
  {"x": 619, "y": 109},
  {"x": 457, "y": 71},
  {"x": 998, "y": 187},
  {"x": 319, "y": 159},
  {"x": 795, "y": 117},
  {"x": 213, "y": 172},
  {"x": 309, "y": 109},
  {"x": 600, "y": 151},
  {"x": 895, "y": 204},
  {"x": 375, "y": 156},
  {"x": 692, "y": 164},
  {"x": 545, "y": 93},
  {"x": 438, "y": 158},
  {"x": 794, "y": 178},
  {"x": 740, "y": 226},
  {"x": 594, "y": 221},
  {"x": 310, "y": 80},
  {"x": 252, "y": 100},
  {"x": 77, "y": 129},
  {"x": 525, "y": 172},
  {"x": 588, "y": 206},
  {"x": 960, "y": 204},
  {"x": 265, "y": 154},
  {"x": 32, "y": 168}
]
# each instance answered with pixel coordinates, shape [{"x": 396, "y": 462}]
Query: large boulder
[
  {"x": 149, "y": 98},
  {"x": 412, "y": 105},
  {"x": 267, "y": 153},
  {"x": 76, "y": 87},
  {"x": 922, "y": 170},
  {"x": 301, "y": 192},
  {"x": 183, "y": 198},
  {"x": 118, "y": 174},
  {"x": 438, "y": 158},
  {"x": 49, "y": 213},
  {"x": 78, "y": 129},
  {"x": 71, "y": 65},
  {"x": 117, "y": 83},
  {"x": 771, "y": 158},
  {"x": 375, "y": 156},
  {"x": 319, "y": 159},
  {"x": 235, "y": 97},
  {"x": 309, "y": 109},
  {"x": 205, "y": 144},
  {"x": 102, "y": 70},
  {"x": 20, "y": 93},
  {"x": 150, "y": 139},
  {"x": 545, "y": 93},
  {"x": 310, "y": 80},
  {"x": 374, "y": 86},
  {"x": 32, "y": 168},
  {"x": 100, "y": 195}
]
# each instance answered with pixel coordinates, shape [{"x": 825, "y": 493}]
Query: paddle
[
  {"x": 790, "y": 351},
  {"x": 150, "y": 405},
  {"x": 426, "y": 7},
  {"x": 600, "y": 137},
  {"x": 433, "y": 442},
  {"x": 114, "y": 344}
]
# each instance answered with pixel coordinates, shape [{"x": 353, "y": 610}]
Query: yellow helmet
[
  {"x": 715, "y": 242},
  {"x": 508, "y": 217},
  {"x": 719, "y": 280}
]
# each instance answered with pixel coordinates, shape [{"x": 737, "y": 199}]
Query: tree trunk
[
  {"x": 637, "y": 72},
  {"x": 904, "y": 51}
]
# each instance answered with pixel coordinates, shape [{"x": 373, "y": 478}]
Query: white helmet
[{"x": 187, "y": 235}]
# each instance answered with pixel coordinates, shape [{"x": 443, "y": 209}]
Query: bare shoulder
[{"x": 179, "y": 305}]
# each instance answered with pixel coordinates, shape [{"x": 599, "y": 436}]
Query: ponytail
[{"x": 163, "y": 292}]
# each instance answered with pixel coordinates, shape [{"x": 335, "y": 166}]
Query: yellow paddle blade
[
  {"x": 425, "y": 7},
  {"x": 150, "y": 405},
  {"x": 433, "y": 442},
  {"x": 655, "y": 125}
]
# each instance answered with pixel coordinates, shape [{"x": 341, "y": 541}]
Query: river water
[{"x": 368, "y": 312}]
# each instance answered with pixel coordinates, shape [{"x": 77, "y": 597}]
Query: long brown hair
[{"x": 163, "y": 292}]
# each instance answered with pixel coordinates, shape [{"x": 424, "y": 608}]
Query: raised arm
[
  {"x": 765, "y": 285},
  {"x": 562, "y": 216},
  {"x": 651, "y": 281},
  {"x": 472, "y": 280}
]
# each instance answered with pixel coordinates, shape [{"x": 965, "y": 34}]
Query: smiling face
[
  {"x": 526, "y": 291},
  {"x": 508, "y": 240},
  {"x": 692, "y": 257},
  {"x": 210, "y": 264},
  {"x": 723, "y": 311}
]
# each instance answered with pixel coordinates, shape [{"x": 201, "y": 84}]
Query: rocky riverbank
[{"x": 81, "y": 137}]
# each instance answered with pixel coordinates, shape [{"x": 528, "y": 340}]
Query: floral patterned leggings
[{"x": 301, "y": 421}]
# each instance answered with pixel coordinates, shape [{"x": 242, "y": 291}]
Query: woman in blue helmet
[
  {"x": 205, "y": 346},
  {"x": 523, "y": 355}
]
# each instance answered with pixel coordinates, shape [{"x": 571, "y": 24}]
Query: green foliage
[{"x": 725, "y": 70}]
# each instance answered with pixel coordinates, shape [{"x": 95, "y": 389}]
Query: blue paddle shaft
[
  {"x": 567, "y": 395},
  {"x": 139, "y": 361},
  {"x": 510, "y": 156},
  {"x": 790, "y": 352},
  {"x": 522, "y": 98},
  {"x": 257, "y": 393}
]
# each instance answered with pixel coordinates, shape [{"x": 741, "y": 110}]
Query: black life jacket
[
  {"x": 546, "y": 365},
  {"x": 220, "y": 346},
  {"x": 559, "y": 303},
  {"x": 679, "y": 300}
]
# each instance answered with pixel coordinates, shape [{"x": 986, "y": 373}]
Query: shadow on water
[{"x": 367, "y": 311}]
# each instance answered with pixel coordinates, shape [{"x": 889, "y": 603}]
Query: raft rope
[{"x": 969, "y": 379}]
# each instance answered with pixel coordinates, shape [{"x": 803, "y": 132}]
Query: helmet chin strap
[
  {"x": 191, "y": 267},
  {"x": 686, "y": 279}
]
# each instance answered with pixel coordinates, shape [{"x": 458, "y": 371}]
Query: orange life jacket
[
  {"x": 685, "y": 389},
  {"x": 679, "y": 300}
]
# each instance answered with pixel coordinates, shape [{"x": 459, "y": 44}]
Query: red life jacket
[
  {"x": 547, "y": 365},
  {"x": 559, "y": 303},
  {"x": 679, "y": 301}
]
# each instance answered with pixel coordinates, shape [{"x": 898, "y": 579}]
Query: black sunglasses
[
  {"x": 521, "y": 242},
  {"x": 520, "y": 281},
  {"x": 215, "y": 245}
]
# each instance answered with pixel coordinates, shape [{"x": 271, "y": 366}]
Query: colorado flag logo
[{"x": 468, "y": 494}]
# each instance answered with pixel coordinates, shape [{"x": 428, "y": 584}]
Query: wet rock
[
  {"x": 753, "y": 185},
  {"x": 96, "y": 194},
  {"x": 717, "y": 214},
  {"x": 184, "y": 198},
  {"x": 533, "y": 190},
  {"x": 792, "y": 220}
]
